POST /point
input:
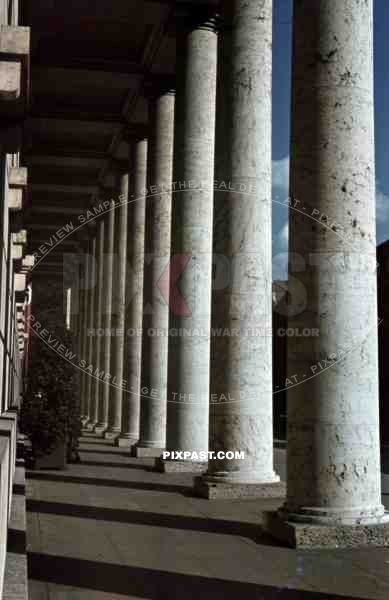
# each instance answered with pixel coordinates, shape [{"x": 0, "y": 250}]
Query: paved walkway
[{"x": 110, "y": 528}]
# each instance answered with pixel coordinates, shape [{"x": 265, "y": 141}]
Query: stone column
[
  {"x": 96, "y": 340},
  {"x": 107, "y": 281},
  {"x": 83, "y": 333},
  {"x": 134, "y": 293},
  {"x": 157, "y": 252},
  {"x": 241, "y": 411},
  {"x": 190, "y": 298},
  {"x": 333, "y": 461},
  {"x": 118, "y": 313},
  {"x": 89, "y": 339}
]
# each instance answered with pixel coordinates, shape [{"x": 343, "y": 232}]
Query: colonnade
[{"x": 200, "y": 392}]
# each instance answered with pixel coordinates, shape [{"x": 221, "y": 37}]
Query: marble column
[
  {"x": 241, "y": 409},
  {"x": 129, "y": 434},
  {"x": 96, "y": 340},
  {"x": 333, "y": 459},
  {"x": 152, "y": 436},
  {"x": 83, "y": 333},
  {"x": 117, "y": 381},
  {"x": 191, "y": 265},
  {"x": 107, "y": 282},
  {"x": 90, "y": 321}
]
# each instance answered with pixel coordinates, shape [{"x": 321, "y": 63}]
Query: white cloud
[
  {"x": 281, "y": 239},
  {"x": 382, "y": 206},
  {"x": 280, "y": 177},
  {"x": 280, "y": 253}
]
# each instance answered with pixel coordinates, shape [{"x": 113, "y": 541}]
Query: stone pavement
[{"x": 110, "y": 528}]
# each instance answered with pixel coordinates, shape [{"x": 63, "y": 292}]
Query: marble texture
[
  {"x": 118, "y": 311},
  {"x": 241, "y": 364},
  {"x": 83, "y": 321},
  {"x": 107, "y": 283},
  {"x": 157, "y": 257},
  {"x": 129, "y": 434},
  {"x": 333, "y": 418},
  {"x": 188, "y": 362},
  {"x": 90, "y": 320},
  {"x": 96, "y": 340}
]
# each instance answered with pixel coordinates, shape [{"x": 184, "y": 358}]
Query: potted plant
[{"x": 49, "y": 413}]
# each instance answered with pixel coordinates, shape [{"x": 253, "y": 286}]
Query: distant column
[
  {"x": 96, "y": 340},
  {"x": 134, "y": 293},
  {"x": 241, "y": 415},
  {"x": 333, "y": 458},
  {"x": 107, "y": 281},
  {"x": 118, "y": 313},
  {"x": 89, "y": 339},
  {"x": 190, "y": 298},
  {"x": 157, "y": 252},
  {"x": 83, "y": 333}
]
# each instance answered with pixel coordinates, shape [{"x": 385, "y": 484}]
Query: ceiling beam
[
  {"x": 85, "y": 64},
  {"x": 43, "y": 150},
  {"x": 48, "y": 111}
]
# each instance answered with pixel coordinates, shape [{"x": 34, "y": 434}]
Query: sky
[{"x": 282, "y": 41}]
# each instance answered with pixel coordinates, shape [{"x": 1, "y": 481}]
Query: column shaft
[
  {"x": 134, "y": 294},
  {"x": 157, "y": 256},
  {"x": 333, "y": 422},
  {"x": 96, "y": 339},
  {"x": 118, "y": 313},
  {"x": 188, "y": 363},
  {"x": 91, "y": 313},
  {"x": 107, "y": 282},
  {"x": 241, "y": 417},
  {"x": 83, "y": 333}
]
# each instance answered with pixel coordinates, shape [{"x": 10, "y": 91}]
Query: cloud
[
  {"x": 382, "y": 206},
  {"x": 280, "y": 178},
  {"x": 280, "y": 240},
  {"x": 280, "y": 253}
]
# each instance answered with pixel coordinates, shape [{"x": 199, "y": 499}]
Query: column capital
[{"x": 189, "y": 17}]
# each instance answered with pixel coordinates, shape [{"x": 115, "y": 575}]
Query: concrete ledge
[
  {"x": 8, "y": 430},
  {"x": 16, "y": 579},
  {"x": 17, "y": 177},
  {"x": 10, "y": 80},
  {"x": 5, "y": 511},
  {"x": 89, "y": 426},
  {"x": 139, "y": 452},
  {"x": 14, "y": 77},
  {"x": 14, "y": 41},
  {"x": 99, "y": 429},
  {"x": 111, "y": 435},
  {"x": 17, "y": 182},
  {"x": 307, "y": 536},
  {"x": 179, "y": 466},
  {"x": 230, "y": 491},
  {"x": 124, "y": 442}
]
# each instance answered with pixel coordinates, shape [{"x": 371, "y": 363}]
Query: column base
[
  {"x": 124, "y": 442},
  {"x": 309, "y": 536},
  {"x": 141, "y": 452},
  {"x": 100, "y": 428},
  {"x": 223, "y": 490},
  {"x": 84, "y": 421},
  {"x": 179, "y": 466},
  {"x": 111, "y": 435},
  {"x": 89, "y": 426}
]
